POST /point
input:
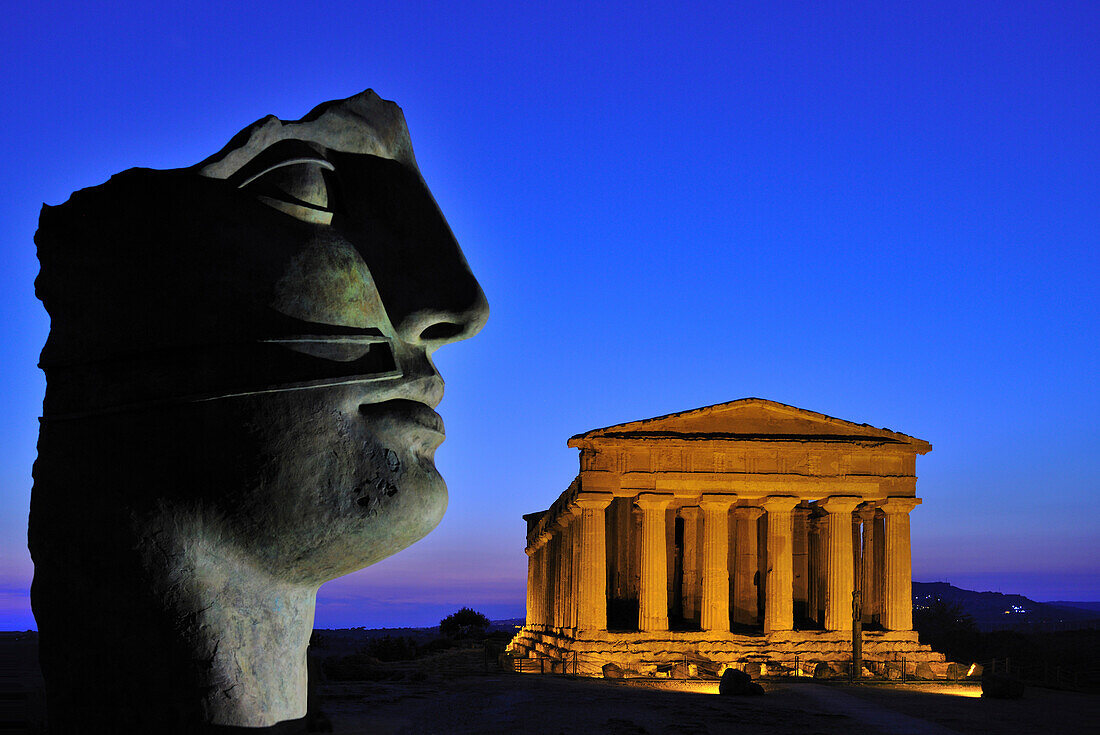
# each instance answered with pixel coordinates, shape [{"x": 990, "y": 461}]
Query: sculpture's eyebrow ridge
[{"x": 287, "y": 162}]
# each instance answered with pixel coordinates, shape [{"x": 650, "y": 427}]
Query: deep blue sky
[{"x": 886, "y": 214}]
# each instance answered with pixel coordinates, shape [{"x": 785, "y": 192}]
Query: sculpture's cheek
[
  {"x": 328, "y": 283},
  {"x": 334, "y": 492}
]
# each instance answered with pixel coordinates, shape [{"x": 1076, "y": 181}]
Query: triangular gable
[{"x": 748, "y": 418}]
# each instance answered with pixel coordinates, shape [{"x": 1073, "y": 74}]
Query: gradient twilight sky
[{"x": 885, "y": 212}]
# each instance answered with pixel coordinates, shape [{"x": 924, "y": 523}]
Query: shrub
[{"x": 463, "y": 624}]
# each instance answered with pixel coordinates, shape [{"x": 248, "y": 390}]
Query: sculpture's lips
[{"x": 405, "y": 411}]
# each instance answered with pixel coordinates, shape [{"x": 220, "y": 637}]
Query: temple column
[
  {"x": 745, "y": 596},
  {"x": 879, "y": 544},
  {"x": 653, "y": 581},
  {"x": 550, "y": 560},
  {"x": 857, "y": 551},
  {"x": 578, "y": 551},
  {"x": 813, "y": 592},
  {"x": 556, "y": 559},
  {"x": 866, "y": 515},
  {"x": 779, "y": 581},
  {"x": 840, "y": 571},
  {"x": 714, "y": 612},
  {"x": 689, "y": 588},
  {"x": 532, "y": 584},
  {"x": 567, "y": 571},
  {"x": 897, "y": 610},
  {"x": 543, "y": 596},
  {"x": 801, "y": 547},
  {"x": 592, "y": 594}
]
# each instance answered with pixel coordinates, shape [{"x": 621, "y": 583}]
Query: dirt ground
[
  {"x": 502, "y": 702},
  {"x": 462, "y": 692}
]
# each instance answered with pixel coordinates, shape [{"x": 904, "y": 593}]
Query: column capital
[
  {"x": 899, "y": 505},
  {"x": 716, "y": 501},
  {"x": 839, "y": 503},
  {"x": 747, "y": 513},
  {"x": 544, "y": 538},
  {"x": 592, "y": 501},
  {"x": 653, "y": 501},
  {"x": 689, "y": 512},
  {"x": 779, "y": 503},
  {"x": 866, "y": 511}
]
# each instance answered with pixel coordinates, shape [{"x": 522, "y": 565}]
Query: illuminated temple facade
[{"x": 730, "y": 534}]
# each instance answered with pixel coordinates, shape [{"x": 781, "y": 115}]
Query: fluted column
[
  {"x": 541, "y": 580},
  {"x": 779, "y": 581},
  {"x": 555, "y": 570},
  {"x": 546, "y": 588},
  {"x": 714, "y": 613},
  {"x": 897, "y": 612},
  {"x": 532, "y": 582},
  {"x": 690, "y": 586},
  {"x": 555, "y": 562},
  {"x": 816, "y": 566},
  {"x": 879, "y": 542},
  {"x": 578, "y": 552},
  {"x": 857, "y": 551},
  {"x": 567, "y": 572},
  {"x": 840, "y": 572},
  {"x": 653, "y": 582},
  {"x": 866, "y": 516},
  {"x": 746, "y": 563},
  {"x": 592, "y": 609}
]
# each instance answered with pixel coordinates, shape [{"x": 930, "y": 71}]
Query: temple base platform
[{"x": 891, "y": 654}]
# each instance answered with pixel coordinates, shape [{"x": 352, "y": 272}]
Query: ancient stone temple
[{"x": 730, "y": 534}]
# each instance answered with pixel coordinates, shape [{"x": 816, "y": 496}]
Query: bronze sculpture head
[{"x": 239, "y": 407}]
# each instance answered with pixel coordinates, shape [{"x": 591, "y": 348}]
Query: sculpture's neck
[{"x": 255, "y": 631}]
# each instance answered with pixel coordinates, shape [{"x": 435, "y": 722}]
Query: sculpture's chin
[{"x": 374, "y": 532}]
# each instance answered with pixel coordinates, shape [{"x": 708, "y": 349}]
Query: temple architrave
[{"x": 730, "y": 534}]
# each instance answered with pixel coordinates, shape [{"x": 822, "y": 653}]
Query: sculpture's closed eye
[{"x": 304, "y": 188}]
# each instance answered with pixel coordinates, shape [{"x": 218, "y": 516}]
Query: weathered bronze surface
[{"x": 239, "y": 407}]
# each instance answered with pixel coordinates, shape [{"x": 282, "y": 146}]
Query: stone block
[
  {"x": 738, "y": 683},
  {"x": 954, "y": 671},
  {"x": 924, "y": 671}
]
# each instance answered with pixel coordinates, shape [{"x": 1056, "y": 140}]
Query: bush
[{"x": 463, "y": 624}]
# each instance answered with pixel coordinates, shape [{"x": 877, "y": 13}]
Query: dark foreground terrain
[
  {"x": 461, "y": 691},
  {"x": 501, "y": 702}
]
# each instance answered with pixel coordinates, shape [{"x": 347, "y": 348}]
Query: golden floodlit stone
[{"x": 724, "y": 536}]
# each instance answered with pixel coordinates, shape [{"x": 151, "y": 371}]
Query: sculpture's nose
[
  {"x": 460, "y": 314},
  {"x": 429, "y": 293}
]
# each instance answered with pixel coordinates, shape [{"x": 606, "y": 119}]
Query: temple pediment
[{"x": 750, "y": 419}]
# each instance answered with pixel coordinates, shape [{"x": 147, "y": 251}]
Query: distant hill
[
  {"x": 996, "y": 611},
  {"x": 1082, "y": 605}
]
